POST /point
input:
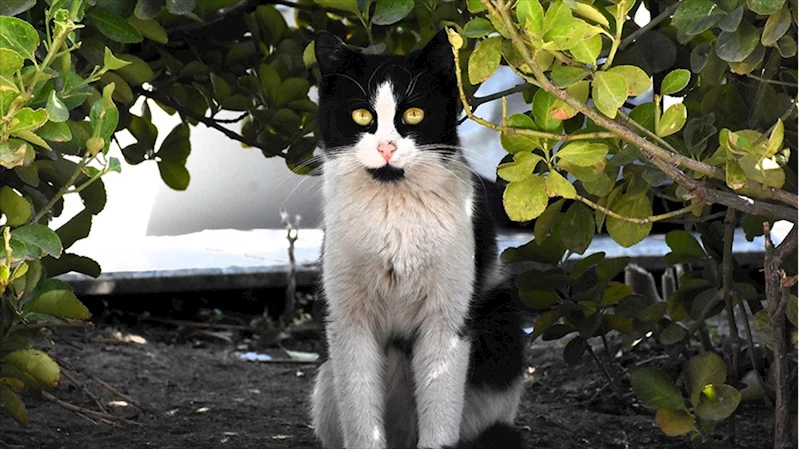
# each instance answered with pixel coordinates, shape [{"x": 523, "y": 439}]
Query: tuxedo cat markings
[{"x": 424, "y": 339}]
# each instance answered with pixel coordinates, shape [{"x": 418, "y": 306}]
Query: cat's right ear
[{"x": 331, "y": 52}]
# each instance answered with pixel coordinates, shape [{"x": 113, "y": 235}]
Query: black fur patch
[
  {"x": 498, "y": 436},
  {"x": 495, "y": 329},
  {"x": 387, "y": 173}
]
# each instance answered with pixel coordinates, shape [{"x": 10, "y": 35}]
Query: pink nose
[{"x": 387, "y": 150}]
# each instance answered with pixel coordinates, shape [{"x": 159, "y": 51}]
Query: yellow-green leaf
[
  {"x": 626, "y": 233},
  {"x": 673, "y": 120},
  {"x": 674, "y": 422},
  {"x": 703, "y": 370},
  {"x": 717, "y": 402},
  {"x": 60, "y": 303},
  {"x": 37, "y": 364},
  {"x": 485, "y": 59},
  {"x": 654, "y": 388},
  {"x": 675, "y": 81},
  {"x": 526, "y": 199},
  {"x": 638, "y": 81},
  {"x": 609, "y": 92},
  {"x": 531, "y": 17},
  {"x": 13, "y": 405},
  {"x": 14, "y": 206},
  {"x": 561, "y": 110},
  {"x": 556, "y": 185},
  {"x": 514, "y": 142},
  {"x": 587, "y": 11},
  {"x": 587, "y": 50},
  {"x": 150, "y": 29},
  {"x": 523, "y": 164},
  {"x": 583, "y": 154}
]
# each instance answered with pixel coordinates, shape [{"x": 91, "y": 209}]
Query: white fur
[{"x": 398, "y": 260}]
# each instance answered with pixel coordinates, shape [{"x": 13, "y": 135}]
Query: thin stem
[
  {"x": 497, "y": 95},
  {"x": 768, "y": 81},
  {"x": 61, "y": 191},
  {"x": 652, "y": 24},
  {"x": 614, "y": 46},
  {"x": 726, "y": 282},
  {"x": 646, "y": 220},
  {"x": 611, "y": 379},
  {"x": 628, "y": 120},
  {"x": 207, "y": 121}
]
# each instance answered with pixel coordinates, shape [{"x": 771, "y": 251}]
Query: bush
[{"x": 595, "y": 152}]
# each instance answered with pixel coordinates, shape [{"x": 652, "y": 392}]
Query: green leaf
[
  {"x": 582, "y": 153},
  {"x": 10, "y": 401},
  {"x": 574, "y": 350},
  {"x": 764, "y": 171},
  {"x": 544, "y": 322},
  {"x": 10, "y": 61},
  {"x": 566, "y": 75},
  {"x": 638, "y": 81},
  {"x": 589, "y": 12},
  {"x": 545, "y": 221},
  {"x": 684, "y": 248},
  {"x": 180, "y": 7},
  {"x": 39, "y": 236},
  {"x": 575, "y": 228},
  {"x": 776, "y": 26},
  {"x": 104, "y": 115},
  {"x": 561, "y": 110},
  {"x": 626, "y": 233},
  {"x": 220, "y": 86},
  {"x": 614, "y": 293},
  {"x": 675, "y": 81},
  {"x": 565, "y": 35},
  {"x": 37, "y": 364},
  {"x": 270, "y": 82},
  {"x": 14, "y": 206},
  {"x": 71, "y": 262},
  {"x": 792, "y": 311},
  {"x": 148, "y": 9},
  {"x": 674, "y": 422},
  {"x": 736, "y": 46},
  {"x": 484, "y": 61},
  {"x": 56, "y": 110},
  {"x": 539, "y": 299},
  {"x": 587, "y": 50},
  {"x": 717, "y": 402},
  {"x": 543, "y": 102},
  {"x": 531, "y": 17},
  {"x": 26, "y": 119},
  {"x": 524, "y": 162},
  {"x": 13, "y": 8},
  {"x": 556, "y": 185},
  {"x": 176, "y": 147},
  {"x": 174, "y": 175},
  {"x": 557, "y": 14},
  {"x": 609, "y": 92},
  {"x": 388, "y": 12},
  {"x": 137, "y": 72},
  {"x": 703, "y": 370},
  {"x": 15, "y": 153},
  {"x": 60, "y": 303},
  {"x": 475, "y": 6},
  {"x": 765, "y": 7},
  {"x": 344, "y": 5},
  {"x": 111, "y": 62},
  {"x": 514, "y": 143},
  {"x": 76, "y": 228},
  {"x": 696, "y": 16},
  {"x": 292, "y": 89},
  {"x": 149, "y": 29},
  {"x": 654, "y": 388},
  {"x": 19, "y": 36},
  {"x": 113, "y": 26},
  {"x": 526, "y": 199},
  {"x": 477, "y": 27},
  {"x": 673, "y": 120}
]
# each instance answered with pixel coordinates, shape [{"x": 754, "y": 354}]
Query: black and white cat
[{"x": 426, "y": 347}]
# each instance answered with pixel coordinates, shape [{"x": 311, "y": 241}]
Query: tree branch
[
  {"x": 652, "y": 24},
  {"x": 665, "y": 160},
  {"x": 207, "y": 121}
]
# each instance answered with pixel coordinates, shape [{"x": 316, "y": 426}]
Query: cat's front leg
[
  {"x": 357, "y": 364},
  {"x": 440, "y": 362}
]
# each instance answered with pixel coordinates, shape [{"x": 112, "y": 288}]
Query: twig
[
  {"x": 496, "y": 96},
  {"x": 116, "y": 392},
  {"x": 752, "y": 357},
  {"x": 207, "y": 121},
  {"x": 181, "y": 323},
  {"x": 232, "y": 120},
  {"x": 86, "y": 412},
  {"x": 611, "y": 379},
  {"x": 645, "y": 220},
  {"x": 726, "y": 293},
  {"x": 652, "y": 24},
  {"x": 766, "y": 80},
  {"x": 667, "y": 161},
  {"x": 776, "y": 301},
  {"x": 54, "y": 324},
  {"x": 85, "y": 389},
  {"x": 292, "y": 233}
]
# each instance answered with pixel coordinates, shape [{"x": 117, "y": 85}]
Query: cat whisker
[{"x": 349, "y": 78}]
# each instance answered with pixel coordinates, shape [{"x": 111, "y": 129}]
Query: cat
[{"x": 425, "y": 342}]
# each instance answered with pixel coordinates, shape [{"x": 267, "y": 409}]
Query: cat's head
[{"x": 387, "y": 113}]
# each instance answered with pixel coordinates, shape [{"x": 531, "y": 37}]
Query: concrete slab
[{"x": 233, "y": 259}]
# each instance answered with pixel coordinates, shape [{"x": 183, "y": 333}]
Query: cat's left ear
[
  {"x": 331, "y": 52},
  {"x": 437, "y": 54}
]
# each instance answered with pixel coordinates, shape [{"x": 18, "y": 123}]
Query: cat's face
[{"x": 387, "y": 113}]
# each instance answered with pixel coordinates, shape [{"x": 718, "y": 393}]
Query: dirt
[{"x": 197, "y": 393}]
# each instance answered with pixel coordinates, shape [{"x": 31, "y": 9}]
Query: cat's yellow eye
[
  {"x": 362, "y": 117},
  {"x": 413, "y": 116}
]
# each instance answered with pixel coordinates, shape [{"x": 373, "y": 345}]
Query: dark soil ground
[{"x": 197, "y": 393}]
